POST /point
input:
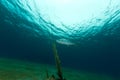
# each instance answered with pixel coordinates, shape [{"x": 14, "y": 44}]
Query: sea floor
[{"x": 19, "y": 70}]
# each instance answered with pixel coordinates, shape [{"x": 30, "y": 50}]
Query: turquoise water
[
  {"x": 55, "y": 20},
  {"x": 87, "y": 33}
]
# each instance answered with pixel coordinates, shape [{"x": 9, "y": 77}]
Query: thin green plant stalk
[{"x": 58, "y": 63}]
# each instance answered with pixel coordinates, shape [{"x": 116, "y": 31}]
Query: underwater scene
[{"x": 59, "y": 39}]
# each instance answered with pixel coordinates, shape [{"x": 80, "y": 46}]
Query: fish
[{"x": 65, "y": 42}]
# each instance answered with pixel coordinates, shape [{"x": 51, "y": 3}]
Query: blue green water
[{"x": 28, "y": 29}]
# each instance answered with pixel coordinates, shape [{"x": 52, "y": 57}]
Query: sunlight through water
[{"x": 69, "y": 20}]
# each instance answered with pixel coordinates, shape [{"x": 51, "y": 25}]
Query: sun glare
[{"x": 62, "y": 1}]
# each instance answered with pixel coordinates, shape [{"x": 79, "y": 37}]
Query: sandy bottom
[{"x": 18, "y": 70}]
